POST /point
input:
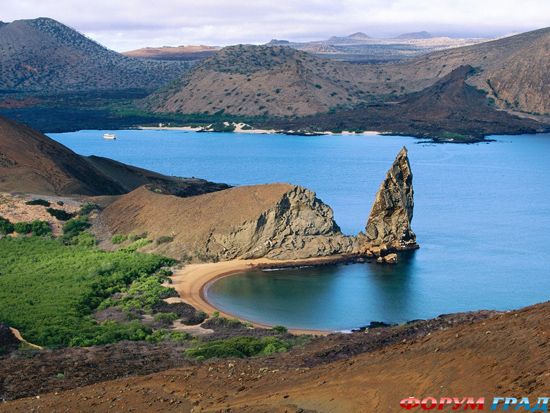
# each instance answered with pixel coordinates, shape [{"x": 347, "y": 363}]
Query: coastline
[
  {"x": 192, "y": 282},
  {"x": 239, "y": 128}
]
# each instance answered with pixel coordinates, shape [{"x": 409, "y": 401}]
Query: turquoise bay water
[{"x": 482, "y": 219}]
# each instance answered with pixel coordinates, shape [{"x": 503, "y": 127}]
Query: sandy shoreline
[
  {"x": 239, "y": 128},
  {"x": 192, "y": 281}
]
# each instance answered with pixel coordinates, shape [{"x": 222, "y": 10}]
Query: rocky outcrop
[
  {"x": 388, "y": 228},
  {"x": 8, "y": 341},
  {"x": 298, "y": 226},
  {"x": 279, "y": 221}
]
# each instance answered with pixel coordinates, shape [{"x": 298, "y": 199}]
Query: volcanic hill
[
  {"x": 450, "y": 110},
  {"x": 44, "y": 56},
  {"x": 281, "y": 81},
  {"x": 32, "y": 162},
  {"x": 258, "y": 80}
]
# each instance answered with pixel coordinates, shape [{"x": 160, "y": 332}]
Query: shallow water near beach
[{"x": 482, "y": 219}]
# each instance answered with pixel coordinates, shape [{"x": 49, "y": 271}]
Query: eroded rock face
[
  {"x": 278, "y": 221},
  {"x": 389, "y": 225},
  {"x": 298, "y": 226}
]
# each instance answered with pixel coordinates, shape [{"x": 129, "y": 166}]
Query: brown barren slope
[
  {"x": 254, "y": 80},
  {"x": 515, "y": 70},
  {"x": 280, "y": 81},
  {"x": 32, "y": 162},
  {"x": 507, "y": 354},
  {"x": 449, "y": 105},
  {"x": 276, "y": 220},
  {"x": 144, "y": 210}
]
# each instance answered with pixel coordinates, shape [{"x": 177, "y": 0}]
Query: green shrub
[
  {"x": 49, "y": 290},
  {"x": 164, "y": 272},
  {"x": 39, "y": 228},
  {"x": 42, "y": 202},
  {"x": 60, "y": 214},
  {"x": 144, "y": 293},
  {"x": 164, "y": 239},
  {"x": 165, "y": 318},
  {"x": 74, "y": 227},
  {"x": 280, "y": 329},
  {"x": 6, "y": 227},
  {"x": 118, "y": 239},
  {"x": 239, "y": 347},
  {"x": 85, "y": 239},
  {"x": 136, "y": 245},
  {"x": 22, "y": 227},
  {"x": 166, "y": 335},
  {"x": 88, "y": 207},
  {"x": 110, "y": 332}
]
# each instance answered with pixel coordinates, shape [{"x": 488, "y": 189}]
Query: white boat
[{"x": 109, "y": 136}]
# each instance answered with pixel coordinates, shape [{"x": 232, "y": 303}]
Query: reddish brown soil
[
  {"x": 32, "y": 162},
  {"x": 507, "y": 354}
]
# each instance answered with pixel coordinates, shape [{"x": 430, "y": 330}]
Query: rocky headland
[
  {"x": 195, "y": 220},
  {"x": 275, "y": 221}
]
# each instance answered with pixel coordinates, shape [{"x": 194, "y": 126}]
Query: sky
[{"x": 130, "y": 24}]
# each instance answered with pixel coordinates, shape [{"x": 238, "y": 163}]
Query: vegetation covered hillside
[{"x": 48, "y": 290}]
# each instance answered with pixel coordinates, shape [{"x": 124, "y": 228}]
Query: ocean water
[{"x": 482, "y": 219}]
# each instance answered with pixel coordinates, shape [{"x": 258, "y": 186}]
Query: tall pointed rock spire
[{"x": 389, "y": 225}]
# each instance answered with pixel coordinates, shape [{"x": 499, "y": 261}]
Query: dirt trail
[
  {"x": 19, "y": 337},
  {"x": 507, "y": 354}
]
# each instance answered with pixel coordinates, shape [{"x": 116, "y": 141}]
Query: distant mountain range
[
  {"x": 360, "y": 47},
  {"x": 356, "y": 47},
  {"x": 415, "y": 35},
  {"x": 283, "y": 81},
  {"x": 279, "y": 82},
  {"x": 185, "y": 53},
  {"x": 43, "y": 55}
]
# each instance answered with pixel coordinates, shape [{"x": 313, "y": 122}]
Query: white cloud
[{"x": 127, "y": 24}]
